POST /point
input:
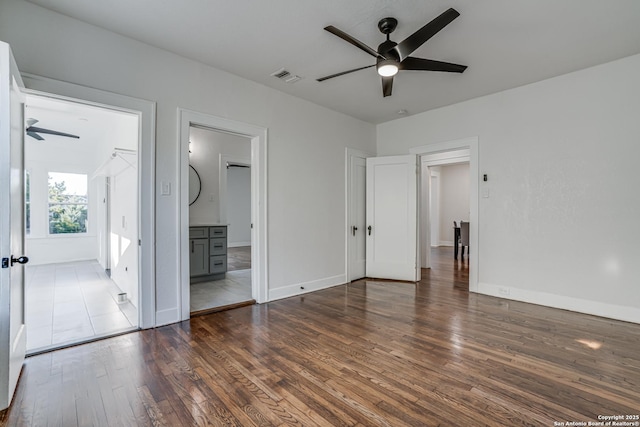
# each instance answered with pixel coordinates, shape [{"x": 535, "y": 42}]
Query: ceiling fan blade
[
  {"x": 346, "y": 37},
  {"x": 35, "y": 135},
  {"x": 415, "y": 40},
  {"x": 50, "y": 132},
  {"x": 420, "y": 64},
  {"x": 321, "y": 79},
  {"x": 31, "y": 122},
  {"x": 387, "y": 86}
]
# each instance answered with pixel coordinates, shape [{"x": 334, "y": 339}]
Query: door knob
[{"x": 20, "y": 260}]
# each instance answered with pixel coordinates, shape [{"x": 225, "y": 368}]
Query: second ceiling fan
[{"x": 392, "y": 57}]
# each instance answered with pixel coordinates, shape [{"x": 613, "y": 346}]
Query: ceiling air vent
[{"x": 286, "y": 76}]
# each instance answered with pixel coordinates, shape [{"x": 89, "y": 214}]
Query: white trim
[
  {"x": 238, "y": 244},
  {"x": 306, "y": 287},
  {"x": 146, "y": 110},
  {"x": 222, "y": 181},
  {"x": 472, "y": 144},
  {"x": 610, "y": 311},
  {"x": 166, "y": 317},
  {"x": 348, "y": 202},
  {"x": 259, "y": 255}
]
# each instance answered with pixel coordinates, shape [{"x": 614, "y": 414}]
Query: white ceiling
[
  {"x": 505, "y": 43},
  {"x": 94, "y": 125}
]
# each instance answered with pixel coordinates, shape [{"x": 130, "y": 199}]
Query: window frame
[{"x": 49, "y": 205}]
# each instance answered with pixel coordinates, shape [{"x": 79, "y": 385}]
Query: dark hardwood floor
[
  {"x": 238, "y": 258},
  {"x": 369, "y": 353}
]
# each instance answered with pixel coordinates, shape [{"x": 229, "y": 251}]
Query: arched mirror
[{"x": 195, "y": 185}]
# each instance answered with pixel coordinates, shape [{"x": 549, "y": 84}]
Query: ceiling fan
[
  {"x": 392, "y": 57},
  {"x": 34, "y": 132}
]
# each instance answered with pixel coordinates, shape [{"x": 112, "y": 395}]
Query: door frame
[
  {"x": 348, "y": 202},
  {"x": 146, "y": 111},
  {"x": 258, "y": 137},
  {"x": 431, "y": 205},
  {"x": 448, "y": 150}
]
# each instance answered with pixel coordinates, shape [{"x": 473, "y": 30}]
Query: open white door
[
  {"x": 13, "y": 339},
  {"x": 357, "y": 220},
  {"x": 392, "y": 218}
]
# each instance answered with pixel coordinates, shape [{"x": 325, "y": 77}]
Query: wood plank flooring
[
  {"x": 369, "y": 353},
  {"x": 239, "y": 258}
]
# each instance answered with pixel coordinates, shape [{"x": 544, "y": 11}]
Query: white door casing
[
  {"x": 259, "y": 256},
  {"x": 146, "y": 111},
  {"x": 358, "y": 217},
  {"x": 13, "y": 340},
  {"x": 456, "y": 151},
  {"x": 392, "y": 218}
]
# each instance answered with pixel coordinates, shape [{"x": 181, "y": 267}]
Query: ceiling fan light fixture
[{"x": 387, "y": 68}]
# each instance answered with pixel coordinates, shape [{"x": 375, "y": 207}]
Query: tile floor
[
  {"x": 234, "y": 288},
  {"x": 72, "y": 302}
]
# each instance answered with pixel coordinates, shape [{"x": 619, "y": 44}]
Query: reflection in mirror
[{"x": 195, "y": 185}]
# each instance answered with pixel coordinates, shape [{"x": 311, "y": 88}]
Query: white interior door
[
  {"x": 358, "y": 217},
  {"x": 392, "y": 218},
  {"x": 13, "y": 340}
]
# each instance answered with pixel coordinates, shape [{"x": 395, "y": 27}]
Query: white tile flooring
[
  {"x": 72, "y": 302},
  {"x": 234, "y": 288}
]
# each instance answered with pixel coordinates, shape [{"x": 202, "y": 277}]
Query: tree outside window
[{"x": 67, "y": 203}]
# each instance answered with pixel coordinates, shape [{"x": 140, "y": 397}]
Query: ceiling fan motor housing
[{"x": 386, "y": 51}]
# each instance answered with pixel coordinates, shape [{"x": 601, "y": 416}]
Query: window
[{"x": 67, "y": 203}]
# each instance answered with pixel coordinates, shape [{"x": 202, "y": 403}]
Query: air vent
[
  {"x": 281, "y": 73},
  {"x": 286, "y": 76}
]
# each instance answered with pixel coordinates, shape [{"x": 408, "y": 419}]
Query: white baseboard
[
  {"x": 238, "y": 244},
  {"x": 166, "y": 317},
  {"x": 303, "y": 288},
  {"x": 610, "y": 311}
]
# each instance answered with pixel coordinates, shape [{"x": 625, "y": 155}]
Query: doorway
[
  {"x": 82, "y": 212},
  {"x": 444, "y": 152},
  {"x": 258, "y": 170},
  {"x": 219, "y": 220},
  {"x": 462, "y": 151}
]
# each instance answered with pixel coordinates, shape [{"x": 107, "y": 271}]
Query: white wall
[
  {"x": 124, "y": 230},
  {"x": 454, "y": 199},
  {"x": 206, "y": 147},
  {"x": 306, "y": 141},
  {"x": 239, "y": 206},
  {"x": 560, "y": 226}
]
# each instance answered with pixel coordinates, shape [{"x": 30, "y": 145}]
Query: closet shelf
[{"x": 120, "y": 160}]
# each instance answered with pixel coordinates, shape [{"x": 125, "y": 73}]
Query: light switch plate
[{"x": 165, "y": 188}]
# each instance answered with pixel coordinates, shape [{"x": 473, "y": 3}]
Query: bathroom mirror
[{"x": 195, "y": 185}]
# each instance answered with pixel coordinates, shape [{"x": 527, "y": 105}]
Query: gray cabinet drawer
[
  {"x": 217, "y": 231},
  {"x": 218, "y": 264},
  {"x": 218, "y": 246},
  {"x": 198, "y": 232}
]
